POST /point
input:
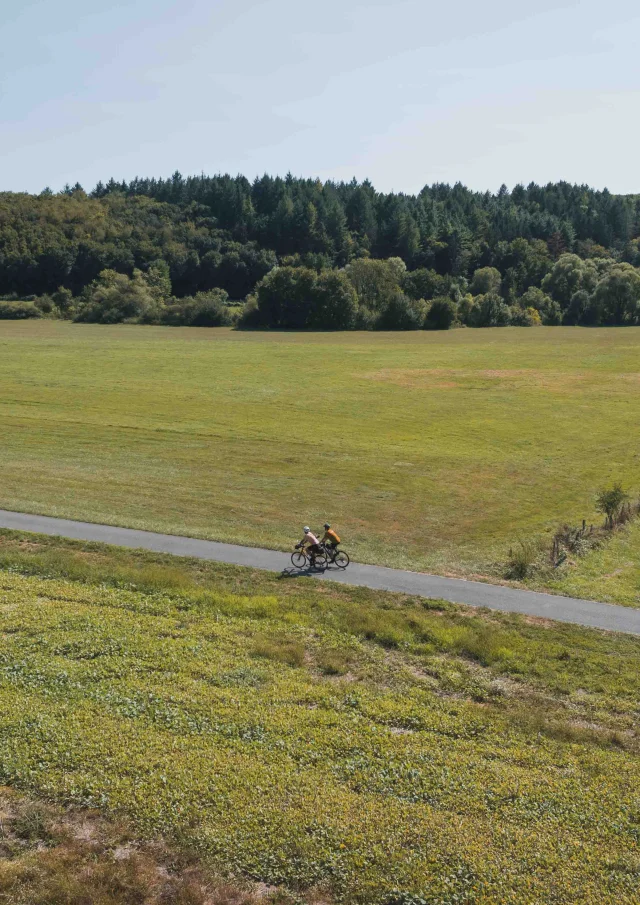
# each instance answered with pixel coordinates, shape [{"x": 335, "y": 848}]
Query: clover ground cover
[{"x": 361, "y": 744}]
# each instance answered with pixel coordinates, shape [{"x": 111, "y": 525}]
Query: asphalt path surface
[{"x": 472, "y": 593}]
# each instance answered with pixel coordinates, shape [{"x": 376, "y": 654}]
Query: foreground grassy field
[
  {"x": 338, "y": 744},
  {"x": 429, "y": 451}
]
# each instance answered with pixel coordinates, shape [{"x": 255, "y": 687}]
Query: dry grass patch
[
  {"x": 290, "y": 652},
  {"x": 454, "y": 378},
  {"x": 55, "y": 856}
]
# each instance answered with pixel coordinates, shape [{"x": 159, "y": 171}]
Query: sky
[{"x": 403, "y": 93}]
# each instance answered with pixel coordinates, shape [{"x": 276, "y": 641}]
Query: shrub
[
  {"x": 522, "y": 560},
  {"x": 205, "y": 309},
  {"x": 441, "y": 314},
  {"x": 18, "y": 310},
  {"x": 250, "y": 316},
  {"x": 45, "y": 304},
  {"x": 375, "y": 281},
  {"x": 464, "y": 308},
  {"x": 549, "y": 310},
  {"x": 64, "y": 302},
  {"x": 334, "y": 302},
  {"x": 158, "y": 279},
  {"x": 284, "y": 297},
  {"x": 610, "y": 501},
  {"x": 489, "y": 310},
  {"x": 583, "y": 309},
  {"x": 401, "y": 313},
  {"x": 297, "y": 298},
  {"x": 365, "y": 318},
  {"x": 574, "y": 540},
  {"x": 525, "y": 317},
  {"x": 114, "y": 297}
]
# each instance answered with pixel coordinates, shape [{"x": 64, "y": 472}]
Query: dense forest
[{"x": 303, "y": 253}]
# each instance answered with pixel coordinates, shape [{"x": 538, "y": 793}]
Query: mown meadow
[
  {"x": 335, "y": 744},
  {"x": 432, "y": 451}
]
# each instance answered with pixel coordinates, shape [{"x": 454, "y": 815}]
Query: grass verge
[{"x": 367, "y": 746}]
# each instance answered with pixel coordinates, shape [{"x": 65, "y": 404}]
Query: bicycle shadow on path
[{"x": 293, "y": 572}]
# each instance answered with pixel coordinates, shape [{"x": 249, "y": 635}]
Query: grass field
[
  {"x": 339, "y": 744},
  {"x": 428, "y": 451}
]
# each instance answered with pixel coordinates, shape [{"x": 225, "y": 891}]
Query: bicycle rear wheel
[
  {"x": 320, "y": 561},
  {"x": 341, "y": 559},
  {"x": 299, "y": 559}
]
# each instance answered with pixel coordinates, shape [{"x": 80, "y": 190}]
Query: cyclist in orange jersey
[{"x": 330, "y": 537}]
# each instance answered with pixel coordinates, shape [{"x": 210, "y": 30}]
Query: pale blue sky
[{"x": 405, "y": 93}]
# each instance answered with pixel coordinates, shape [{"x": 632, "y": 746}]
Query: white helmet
[{"x": 306, "y": 529}]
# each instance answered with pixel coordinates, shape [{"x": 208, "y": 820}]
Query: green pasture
[
  {"x": 430, "y": 451},
  {"x": 343, "y": 745}
]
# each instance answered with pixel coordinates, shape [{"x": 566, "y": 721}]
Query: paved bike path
[{"x": 456, "y": 590}]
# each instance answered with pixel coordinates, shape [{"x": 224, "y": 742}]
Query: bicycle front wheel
[
  {"x": 341, "y": 559},
  {"x": 298, "y": 559}
]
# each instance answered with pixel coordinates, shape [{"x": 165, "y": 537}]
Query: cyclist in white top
[{"x": 311, "y": 542}]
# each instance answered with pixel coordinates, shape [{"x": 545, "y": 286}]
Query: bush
[
  {"x": 284, "y": 297},
  {"x": 610, "y": 501},
  {"x": 46, "y": 304},
  {"x": 365, "y": 318},
  {"x": 525, "y": 317},
  {"x": 549, "y": 310},
  {"x": 298, "y": 298},
  {"x": 522, "y": 560},
  {"x": 376, "y": 282},
  {"x": 158, "y": 279},
  {"x": 250, "y": 316},
  {"x": 441, "y": 314},
  {"x": 489, "y": 310},
  {"x": 334, "y": 302},
  {"x": 114, "y": 297},
  {"x": 401, "y": 313},
  {"x": 464, "y": 308},
  {"x": 205, "y": 309},
  {"x": 16, "y": 311},
  {"x": 583, "y": 309},
  {"x": 64, "y": 302}
]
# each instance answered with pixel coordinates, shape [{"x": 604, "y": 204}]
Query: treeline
[
  {"x": 384, "y": 295},
  {"x": 367, "y": 294},
  {"x": 321, "y": 255},
  {"x": 48, "y": 241}
]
